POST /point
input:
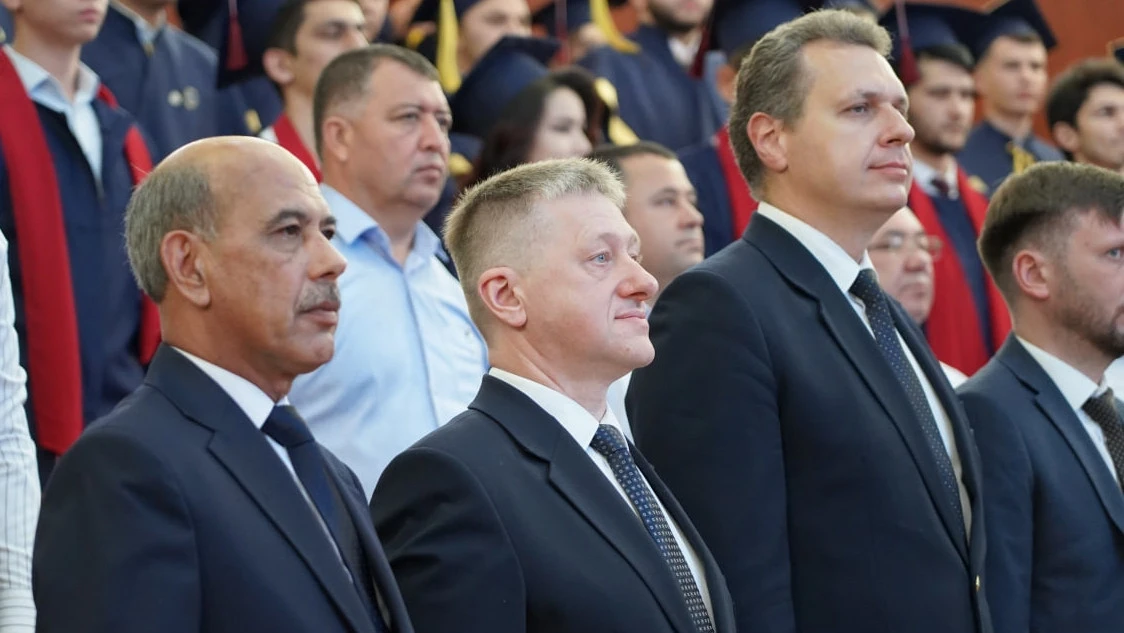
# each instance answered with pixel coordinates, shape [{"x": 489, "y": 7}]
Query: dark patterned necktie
[
  {"x": 1102, "y": 409},
  {"x": 609, "y": 442},
  {"x": 866, "y": 288}
]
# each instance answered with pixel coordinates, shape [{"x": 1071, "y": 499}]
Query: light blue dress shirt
[{"x": 408, "y": 358}]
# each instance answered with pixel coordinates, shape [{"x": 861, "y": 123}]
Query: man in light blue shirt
[{"x": 408, "y": 357}]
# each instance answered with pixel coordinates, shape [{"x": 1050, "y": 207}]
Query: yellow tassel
[
  {"x": 415, "y": 36},
  {"x": 1021, "y": 159},
  {"x": 619, "y": 132},
  {"x": 447, "y": 34},
  {"x": 459, "y": 166},
  {"x": 603, "y": 18}
]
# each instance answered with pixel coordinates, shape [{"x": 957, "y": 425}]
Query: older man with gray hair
[
  {"x": 202, "y": 503},
  {"x": 530, "y": 511}
]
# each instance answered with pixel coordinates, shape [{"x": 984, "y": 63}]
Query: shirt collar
[
  {"x": 40, "y": 84},
  {"x": 923, "y": 175},
  {"x": 1075, "y": 386},
  {"x": 253, "y": 401},
  {"x": 353, "y": 223},
  {"x": 579, "y": 423},
  {"x": 146, "y": 33},
  {"x": 684, "y": 54},
  {"x": 839, "y": 265}
]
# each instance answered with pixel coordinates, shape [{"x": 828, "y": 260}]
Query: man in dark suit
[
  {"x": 530, "y": 512},
  {"x": 793, "y": 409},
  {"x": 202, "y": 503},
  {"x": 1047, "y": 424}
]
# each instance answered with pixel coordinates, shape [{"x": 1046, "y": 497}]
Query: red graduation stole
[
  {"x": 288, "y": 138},
  {"x": 953, "y": 327},
  {"x": 742, "y": 204},
  {"x": 54, "y": 365}
]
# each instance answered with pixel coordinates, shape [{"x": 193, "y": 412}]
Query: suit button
[{"x": 977, "y": 583}]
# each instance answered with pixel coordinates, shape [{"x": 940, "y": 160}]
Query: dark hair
[
  {"x": 1073, "y": 86},
  {"x": 284, "y": 27},
  {"x": 509, "y": 142},
  {"x": 347, "y": 78},
  {"x": 1037, "y": 208},
  {"x": 614, "y": 155},
  {"x": 955, "y": 54}
]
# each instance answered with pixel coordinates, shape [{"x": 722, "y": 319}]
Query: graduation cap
[
  {"x": 1116, "y": 49},
  {"x": 446, "y": 14},
  {"x": 562, "y": 17},
  {"x": 916, "y": 27},
  {"x": 1013, "y": 18},
  {"x": 505, "y": 71},
  {"x": 738, "y": 24}
]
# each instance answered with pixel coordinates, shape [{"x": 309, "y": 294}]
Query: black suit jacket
[
  {"x": 174, "y": 514},
  {"x": 773, "y": 417},
  {"x": 1055, "y": 515},
  {"x": 498, "y": 522}
]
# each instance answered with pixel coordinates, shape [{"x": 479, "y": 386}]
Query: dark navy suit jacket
[
  {"x": 174, "y": 514},
  {"x": 499, "y": 522},
  {"x": 773, "y": 417},
  {"x": 1055, "y": 515}
]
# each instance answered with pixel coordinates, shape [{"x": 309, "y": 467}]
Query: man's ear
[
  {"x": 1032, "y": 274},
  {"x": 1065, "y": 135},
  {"x": 336, "y": 135},
  {"x": 182, "y": 254},
  {"x": 278, "y": 65},
  {"x": 767, "y": 135},
  {"x": 499, "y": 290}
]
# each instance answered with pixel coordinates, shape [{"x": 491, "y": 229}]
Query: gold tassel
[
  {"x": 619, "y": 132},
  {"x": 415, "y": 36},
  {"x": 447, "y": 34},
  {"x": 1020, "y": 158},
  {"x": 603, "y": 18}
]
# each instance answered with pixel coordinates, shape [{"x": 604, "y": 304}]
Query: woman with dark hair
[{"x": 525, "y": 112}]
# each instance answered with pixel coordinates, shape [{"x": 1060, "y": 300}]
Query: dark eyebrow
[
  {"x": 285, "y": 215},
  {"x": 329, "y": 221}
]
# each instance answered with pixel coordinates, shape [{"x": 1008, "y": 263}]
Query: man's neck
[
  {"x": 850, "y": 231},
  {"x": 60, "y": 60},
  {"x": 298, "y": 109},
  {"x": 1066, "y": 346},
  {"x": 590, "y": 393},
  {"x": 1016, "y": 126},
  {"x": 154, "y": 15},
  {"x": 399, "y": 224}
]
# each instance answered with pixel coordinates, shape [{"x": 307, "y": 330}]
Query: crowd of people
[{"x": 471, "y": 315}]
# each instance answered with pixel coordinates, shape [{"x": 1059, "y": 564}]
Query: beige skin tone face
[
  {"x": 661, "y": 208},
  {"x": 562, "y": 129},
  {"x": 1098, "y": 137},
  {"x": 68, "y": 22},
  {"x": 1011, "y": 78},
  {"x": 330, "y": 28},
  {"x": 486, "y": 23},
  {"x": 905, "y": 273},
  {"x": 942, "y": 105}
]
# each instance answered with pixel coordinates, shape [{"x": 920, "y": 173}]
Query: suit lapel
[
  {"x": 242, "y": 449},
  {"x": 1053, "y": 405},
  {"x": 794, "y": 262},
  {"x": 574, "y": 475}
]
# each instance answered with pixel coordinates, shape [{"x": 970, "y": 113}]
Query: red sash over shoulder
[
  {"x": 742, "y": 204},
  {"x": 55, "y": 369},
  {"x": 288, "y": 138},
  {"x": 953, "y": 327}
]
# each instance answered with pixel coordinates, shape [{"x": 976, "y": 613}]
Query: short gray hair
[
  {"x": 173, "y": 197},
  {"x": 491, "y": 225},
  {"x": 347, "y": 79},
  {"x": 773, "y": 79}
]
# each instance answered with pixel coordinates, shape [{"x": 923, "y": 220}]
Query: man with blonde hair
[
  {"x": 530, "y": 511},
  {"x": 795, "y": 410}
]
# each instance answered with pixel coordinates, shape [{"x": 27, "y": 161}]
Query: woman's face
[{"x": 562, "y": 130}]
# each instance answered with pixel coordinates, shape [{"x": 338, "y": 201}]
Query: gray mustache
[{"x": 324, "y": 293}]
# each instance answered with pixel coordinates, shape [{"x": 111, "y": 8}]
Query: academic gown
[
  {"x": 711, "y": 169},
  {"x": 106, "y": 297},
  {"x": 171, "y": 90},
  {"x": 988, "y": 160},
  {"x": 659, "y": 100}
]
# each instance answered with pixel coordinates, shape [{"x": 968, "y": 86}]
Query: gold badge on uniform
[
  {"x": 190, "y": 98},
  {"x": 175, "y": 98},
  {"x": 978, "y": 184},
  {"x": 253, "y": 121}
]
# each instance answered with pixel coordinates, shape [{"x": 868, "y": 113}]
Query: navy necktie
[
  {"x": 1102, "y": 409},
  {"x": 867, "y": 289},
  {"x": 609, "y": 442},
  {"x": 288, "y": 429}
]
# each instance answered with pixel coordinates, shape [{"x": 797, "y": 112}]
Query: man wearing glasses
[{"x": 903, "y": 254}]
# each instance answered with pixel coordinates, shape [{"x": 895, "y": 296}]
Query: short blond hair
[{"x": 495, "y": 223}]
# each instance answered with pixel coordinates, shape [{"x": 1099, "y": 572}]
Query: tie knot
[
  {"x": 942, "y": 186},
  {"x": 866, "y": 287},
  {"x": 287, "y": 427},
  {"x": 608, "y": 441},
  {"x": 1102, "y": 408}
]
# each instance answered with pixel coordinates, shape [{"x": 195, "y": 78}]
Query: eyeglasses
[{"x": 898, "y": 243}]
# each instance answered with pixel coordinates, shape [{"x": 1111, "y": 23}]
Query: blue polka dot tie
[
  {"x": 886, "y": 335},
  {"x": 1102, "y": 409},
  {"x": 609, "y": 442}
]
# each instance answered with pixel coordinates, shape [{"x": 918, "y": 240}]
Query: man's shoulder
[{"x": 993, "y": 384}]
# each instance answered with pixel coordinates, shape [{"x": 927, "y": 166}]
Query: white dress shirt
[
  {"x": 844, "y": 271},
  {"x": 1076, "y": 388},
  {"x": 924, "y": 175},
  {"x": 19, "y": 473},
  {"x": 582, "y": 426},
  {"x": 83, "y": 122}
]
